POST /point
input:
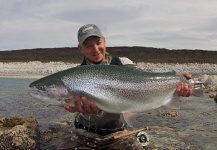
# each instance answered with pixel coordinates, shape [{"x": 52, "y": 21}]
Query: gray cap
[{"x": 86, "y": 31}]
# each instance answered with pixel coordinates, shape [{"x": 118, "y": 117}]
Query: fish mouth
[
  {"x": 44, "y": 97},
  {"x": 36, "y": 94}
]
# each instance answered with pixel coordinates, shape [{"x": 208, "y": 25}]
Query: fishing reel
[{"x": 143, "y": 138}]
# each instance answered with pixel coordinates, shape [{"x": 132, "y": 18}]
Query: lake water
[
  {"x": 15, "y": 101},
  {"x": 197, "y": 116},
  {"x": 12, "y": 86}
]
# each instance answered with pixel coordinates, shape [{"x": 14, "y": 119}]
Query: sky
[{"x": 171, "y": 24}]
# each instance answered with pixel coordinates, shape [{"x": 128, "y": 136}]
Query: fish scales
[{"x": 117, "y": 89}]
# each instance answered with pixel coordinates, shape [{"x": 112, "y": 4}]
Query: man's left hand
[{"x": 182, "y": 89}]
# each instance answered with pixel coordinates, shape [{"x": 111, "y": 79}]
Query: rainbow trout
[{"x": 115, "y": 89}]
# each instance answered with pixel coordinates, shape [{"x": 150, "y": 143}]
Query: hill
[{"x": 136, "y": 54}]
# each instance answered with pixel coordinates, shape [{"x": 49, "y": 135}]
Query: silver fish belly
[{"x": 115, "y": 89}]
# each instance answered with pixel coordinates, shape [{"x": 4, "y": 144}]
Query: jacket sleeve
[{"x": 125, "y": 60}]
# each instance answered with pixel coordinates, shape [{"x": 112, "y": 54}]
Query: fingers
[
  {"x": 187, "y": 76},
  {"x": 183, "y": 90},
  {"x": 79, "y": 106},
  {"x": 83, "y": 105},
  {"x": 95, "y": 109},
  {"x": 189, "y": 93},
  {"x": 70, "y": 109},
  {"x": 89, "y": 107}
]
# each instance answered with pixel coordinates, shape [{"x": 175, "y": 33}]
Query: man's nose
[{"x": 95, "y": 48}]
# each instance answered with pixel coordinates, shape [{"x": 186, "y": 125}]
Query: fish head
[{"x": 49, "y": 91}]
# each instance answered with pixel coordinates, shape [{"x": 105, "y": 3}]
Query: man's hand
[
  {"x": 83, "y": 105},
  {"x": 182, "y": 89}
]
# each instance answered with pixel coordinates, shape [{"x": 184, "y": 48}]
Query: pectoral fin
[
  {"x": 129, "y": 118},
  {"x": 70, "y": 100}
]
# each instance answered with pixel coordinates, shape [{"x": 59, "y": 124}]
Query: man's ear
[
  {"x": 104, "y": 40},
  {"x": 80, "y": 48}
]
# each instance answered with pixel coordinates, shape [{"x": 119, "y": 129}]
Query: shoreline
[
  {"x": 37, "y": 69},
  {"x": 33, "y": 69}
]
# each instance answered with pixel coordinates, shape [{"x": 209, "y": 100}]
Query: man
[{"x": 92, "y": 44}]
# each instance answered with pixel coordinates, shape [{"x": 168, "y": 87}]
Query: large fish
[{"x": 115, "y": 89}]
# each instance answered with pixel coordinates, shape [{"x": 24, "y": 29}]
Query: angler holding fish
[
  {"x": 92, "y": 44},
  {"x": 104, "y": 91}
]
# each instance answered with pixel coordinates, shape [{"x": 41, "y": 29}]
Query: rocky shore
[{"x": 35, "y": 69}]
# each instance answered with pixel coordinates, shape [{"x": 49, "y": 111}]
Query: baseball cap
[{"x": 88, "y": 30}]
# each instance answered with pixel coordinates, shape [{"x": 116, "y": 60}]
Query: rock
[
  {"x": 204, "y": 79},
  {"x": 212, "y": 94},
  {"x": 209, "y": 84},
  {"x": 170, "y": 114},
  {"x": 51, "y": 134},
  {"x": 18, "y": 133},
  {"x": 215, "y": 99}
]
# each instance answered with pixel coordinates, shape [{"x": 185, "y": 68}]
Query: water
[
  {"x": 197, "y": 118},
  {"x": 13, "y": 86},
  {"x": 15, "y": 101}
]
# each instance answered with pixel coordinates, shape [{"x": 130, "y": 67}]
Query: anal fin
[{"x": 129, "y": 118}]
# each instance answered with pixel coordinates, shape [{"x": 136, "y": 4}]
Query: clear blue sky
[{"x": 172, "y": 24}]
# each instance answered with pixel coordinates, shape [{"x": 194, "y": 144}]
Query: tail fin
[{"x": 197, "y": 89}]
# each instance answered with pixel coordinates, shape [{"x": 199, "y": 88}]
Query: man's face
[{"x": 94, "y": 49}]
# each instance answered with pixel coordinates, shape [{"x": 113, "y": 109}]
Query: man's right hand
[{"x": 84, "y": 106}]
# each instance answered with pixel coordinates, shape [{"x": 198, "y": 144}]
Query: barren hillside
[{"x": 137, "y": 54}]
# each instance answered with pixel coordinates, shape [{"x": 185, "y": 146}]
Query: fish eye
[{"x": 41, "y": 87}]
